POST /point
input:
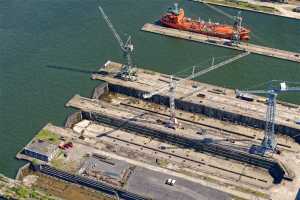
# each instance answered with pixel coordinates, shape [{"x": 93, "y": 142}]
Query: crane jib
[
  {"x": 110, "y": 25},
  {"x": 202, "y": 72}
]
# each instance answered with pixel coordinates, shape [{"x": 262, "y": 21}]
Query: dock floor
[{"x": 261, "y": 50}]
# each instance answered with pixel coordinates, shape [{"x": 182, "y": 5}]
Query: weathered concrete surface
[
  {"x": 124, "y": 119},
  {"x": 211, "y": 101},
  {"x": 261, "y": 50},
  {"x": 152, "y": 184}
]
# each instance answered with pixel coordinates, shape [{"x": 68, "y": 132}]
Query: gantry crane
[
  {"x": 237, "y": 26},
  {"x": 128, "y": 72},
  {"x": 173, "y": 84},
  {"x": 269, "y": 142}
]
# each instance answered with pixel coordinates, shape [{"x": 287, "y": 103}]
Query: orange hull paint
[{"x": 179, "y": 21}]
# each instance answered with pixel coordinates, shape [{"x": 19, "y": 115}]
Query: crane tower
[
  {"x": 269, "y": 142},
  {"x": 237, "y": 26},
  {"x": 128, "y": 72},
  {"x": 173, "y": 84}
]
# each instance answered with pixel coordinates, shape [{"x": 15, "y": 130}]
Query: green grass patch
[
  {"x": 58, "y": 162},
  {"x": 22, "y": 192},
  {"x": 162, "y": 162},
  {"x": 47, "y": 135}
]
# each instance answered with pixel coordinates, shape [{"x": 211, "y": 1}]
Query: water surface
[{"x": 50, "y": 47}]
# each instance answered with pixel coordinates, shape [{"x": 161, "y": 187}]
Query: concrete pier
[
  {"x": 146, "y": 124},
  {"x": 261, "y": 50},
  {"x": 212, "y": 101}
]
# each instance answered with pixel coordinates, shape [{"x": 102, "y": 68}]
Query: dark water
[{"x": 49, "y": 48}]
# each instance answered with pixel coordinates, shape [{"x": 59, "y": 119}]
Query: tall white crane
[
  {"x": 269, "y": 142},
  {"x": 173, "y": 83},
  {"x": 128, "y": 72}
]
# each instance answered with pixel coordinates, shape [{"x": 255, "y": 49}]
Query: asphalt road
[{"x": 152, "y": 184}]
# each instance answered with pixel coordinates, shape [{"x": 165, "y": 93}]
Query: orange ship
[{"x": 175, "y": 18}]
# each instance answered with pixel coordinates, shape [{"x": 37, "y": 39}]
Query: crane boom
[
  {"x": 289, "y": 89},
  {"x": 218, "y": 10},
  {"x": 172, "y": 87},
  {"x": 128, "y": 72},
  {"x": 110, "y": 25},
  {"x": 202, "y": 72},
  {"x": 216, "y": 66}
]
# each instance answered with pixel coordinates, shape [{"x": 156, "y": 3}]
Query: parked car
[
  {"x": 297, "y": 9},
  {"x": 66, "y": 145},
  {"x": 170, "y": 181}
]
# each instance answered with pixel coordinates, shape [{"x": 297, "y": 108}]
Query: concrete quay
[
  {"x": 126, "y": 119},
  {"x": 208, "y": 100},
  {"x": 155, "y": 184},
  {"x": 236, "y": 179},
  {"x": 261, "y": 50}
]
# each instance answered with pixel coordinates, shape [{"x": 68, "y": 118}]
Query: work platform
[
  {"x": 261, "y": 50},
  {"x": 201, "y": 98}
]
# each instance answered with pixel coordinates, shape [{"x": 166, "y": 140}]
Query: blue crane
[{"x": 269, "y": 142}]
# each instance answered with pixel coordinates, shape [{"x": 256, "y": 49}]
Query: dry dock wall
[
  {"x": 100, "y": 90},
  {"x": 72, "y": 119},
  {"x": 205, "y": 110},
  {"x": 115, "y": 121},
  {"x": 90, "y": 183},
  {"x": 274, "y": 168}
]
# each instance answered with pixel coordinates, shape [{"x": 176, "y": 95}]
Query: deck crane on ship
[
  {"x": 269, "y": 142},
  {"x": 171, "y": 88},
  {"x": 128, "y": 72}
]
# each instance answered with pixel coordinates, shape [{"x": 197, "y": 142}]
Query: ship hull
[
  {"x": 209, "y": 30},
  {"x": 175, "y": 18}
]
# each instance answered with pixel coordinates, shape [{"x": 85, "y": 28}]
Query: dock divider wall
[
  {"x": 73, "y": 119},
  {"x": 205, "y": 110},
  {"x": 21, "y": 170},
  {"x": 100, "y": 90}
]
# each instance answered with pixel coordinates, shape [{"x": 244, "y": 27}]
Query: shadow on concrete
[
  {"x": 121, "y": 126},
  {"x": 158, "y": 23},
  {"x": 277, "y": 173}
]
